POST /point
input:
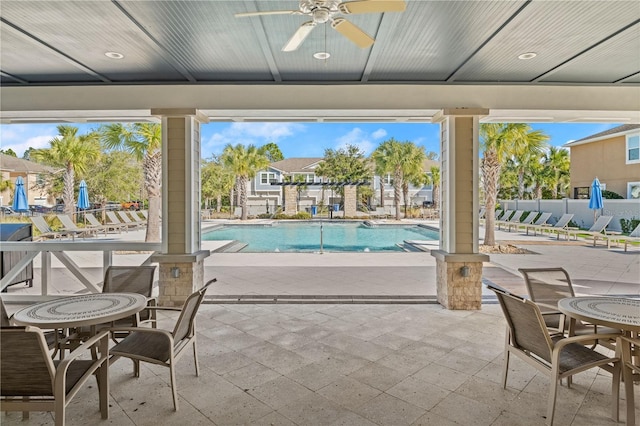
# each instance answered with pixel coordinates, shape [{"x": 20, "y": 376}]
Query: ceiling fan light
[
  {"x": 528, "y": 55},
  {"x": 322, "y": 55},
  {"x": 114, "y": 55}
]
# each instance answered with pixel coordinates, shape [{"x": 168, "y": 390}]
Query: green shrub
[
  {"x": 610, "y": 195},
  {"x": 299, "y": 215},
  {"x": 629, "y": 225}
]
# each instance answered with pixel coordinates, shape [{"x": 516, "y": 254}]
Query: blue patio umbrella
[
  {"x": 83, "y": 196},
  {"x": 595, "y": 202},
  {"x": 20, "y": 203}
]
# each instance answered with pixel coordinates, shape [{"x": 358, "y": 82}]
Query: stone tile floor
[{"x": 341, "y": 364}]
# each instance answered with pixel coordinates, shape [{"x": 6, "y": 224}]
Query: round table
[
  {"x": 78, "y": 311},
  {"x": 614, "y": 312}
]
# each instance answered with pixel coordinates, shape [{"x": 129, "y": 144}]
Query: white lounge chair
[
  {"x": 113, "y": 219},
  {"x": 513, "y": 219},
  {"x": 526, "y": 221},
  {"x": 633, "y": 237},
  {"x": 94, "y": 223},
  {"x": 559, "y": 226},
  {"x": 539, "y": 223},
  {"x": 598, "y": 230}
]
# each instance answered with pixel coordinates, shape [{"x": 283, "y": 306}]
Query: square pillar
[
  {"x": 290, "y": 199},
  {"x": 350, "y": 200},
  {"x": 181, "y": 260},
  {"x": 458, "y": 263}
]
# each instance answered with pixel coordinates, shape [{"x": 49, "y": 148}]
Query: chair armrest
[
  {"x": 163, "y": 308},
  {"x": 142, "y": 330},
  {"x": 586, "y": 337}
]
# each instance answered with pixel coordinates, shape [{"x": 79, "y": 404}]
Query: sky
[{"x": 297, "y": 139}]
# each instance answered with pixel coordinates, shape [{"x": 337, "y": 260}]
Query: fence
[{"x": 582, "y": 215}]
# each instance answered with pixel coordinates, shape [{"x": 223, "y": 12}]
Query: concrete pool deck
[{"x": 594, "y": 270}]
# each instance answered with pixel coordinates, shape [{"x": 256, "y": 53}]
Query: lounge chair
[
  {"x": 161, "y": 346},
  {"x": 499, "y": 214},
  {"x": 559, "y": 226},
  {"x": 633, "y": 237},
  {"x": 380, "y": 213},
  {"x": 539, "y": 223},
  {"x": 597, "y": 230},
  {"x": 95, "y": 224},
  {"x": 70, "y": 226},
  {"x": 46, "y": 232},
  {"x": 31, "y": 381},
  {"x": 124, "y": 217},
  {"x": 145, "y": 214},
  {"x": 555, "y": 355},
  {"x": 113, "y": 219},
  {"x": 515, "y": 218},
  {"x": 524, "y": 222}
]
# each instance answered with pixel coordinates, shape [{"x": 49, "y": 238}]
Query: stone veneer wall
[
  {"x": 458, "y": 292},
  {"x": 179, "y": 288},
  {"x": 290, "y": 200},
  {"x": 350, "y": 201}
]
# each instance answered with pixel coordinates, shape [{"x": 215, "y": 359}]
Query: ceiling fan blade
[
  {"x": 269, "y": 12},
  {"x": 298, "y": 37},
  {"x": 372, "y": 6},
  {"x": 352, "y": 32}
]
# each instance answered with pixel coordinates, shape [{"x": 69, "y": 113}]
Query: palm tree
[
  {"x": 143, "y": 141},
  {"x": 388, "y": 157},
  {"x": 412, "y": 170},
  {"x": 557, "y": 161},
  {"x": 526, "y": 145},
  {"x": 434, "y": 179},
  {"x": 217, "y": 180},
  {"x": 74, "y": 153},
  {"x": 245, "y": 163}
]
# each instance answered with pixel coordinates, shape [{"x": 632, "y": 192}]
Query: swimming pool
[{"x": 336, "y": 236}]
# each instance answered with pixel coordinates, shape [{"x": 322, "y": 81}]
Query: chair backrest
[
  {"x": 506, "y": 215},
  {"x": 636, "y": 232},
  {"x": 26, "y": 369},
  {"x": 563, "y": 221},
  {"x": 600, "y": 224},
  {"x": 529, "y": 218},
  {"x": 124, "y": 217},
  {"x": 527, "y": 329},
  {"x": 41, "y": 224},
  {"x": 516, "y": 216},
  {"x": 144, "y": 213},
  {"x": 544, "y": 217},
  {"x": 4, "y": 316},
  {"x": 129, "y": 279},
  {"x": 67, "y": 222},
  {"x": 548, "y": 286},
  {"x": 92, "y": 219},
  {"x": 498, "y": 214},
  {"x": 185, "y": 326},
  {"x": 113, "y": 218}
]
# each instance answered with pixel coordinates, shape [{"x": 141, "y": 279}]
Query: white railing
[{"x": 59, "y": 249}]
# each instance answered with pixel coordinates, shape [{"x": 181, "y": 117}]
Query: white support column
[
  {"x": 181, "y": 261},
  {"x": 458, "y": 264}
]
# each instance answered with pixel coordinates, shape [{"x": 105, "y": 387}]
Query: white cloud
[
  {"x": 252, "y": 133},
  {"x": 379, "y": 134},
  {"x": 359, "y": 138},
  {"x": 20, "y": 137}
]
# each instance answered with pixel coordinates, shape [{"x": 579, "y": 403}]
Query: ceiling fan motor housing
[{"x": 323, "y": 7}]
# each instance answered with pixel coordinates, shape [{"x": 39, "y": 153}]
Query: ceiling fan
[{"x": 322, "y": 11}]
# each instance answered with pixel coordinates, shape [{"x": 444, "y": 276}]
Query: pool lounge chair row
[{"x": 117, "y": 223}]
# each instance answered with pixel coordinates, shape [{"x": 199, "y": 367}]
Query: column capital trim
[
  {"x": 459, "y": 257},
  {"x": 180, "y": 112},
  {"x": 181, "y": 258},
  {"x": 459, "y": 112}
]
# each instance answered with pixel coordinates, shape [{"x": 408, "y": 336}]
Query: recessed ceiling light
[
  {"x": 114, "y": 55},
  {"x": 528, "y": 55},
  {"x": 321, "y": 55}
]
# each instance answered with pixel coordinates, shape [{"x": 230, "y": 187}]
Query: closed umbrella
[
  {"x": 83, "y": 196},
  {"x": 20, "y": 203},
  {"x": 595, "y": 202}
]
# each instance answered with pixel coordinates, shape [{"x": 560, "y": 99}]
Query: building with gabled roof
[{"x": 33, "y": 175}]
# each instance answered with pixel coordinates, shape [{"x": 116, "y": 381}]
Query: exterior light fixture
[
  {"x": 114, "y": 55},
  {"x": 528, "y": 55},
  {"x": 465, "y": 271},
  {"x": 175, "y": 272},
  {"x": 321, "y": 55}
]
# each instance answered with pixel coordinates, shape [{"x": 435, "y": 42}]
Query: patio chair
[
  {"x": 513, "y": 219},
  {"x": 633, "y": 237},
  {"x": 499, "y": 214},
  {"x": 546, "y": 286},
  {"x": 31, "y": 381},
  {"x": 539, "y": 223},
  {"x": 94, "y": 223},
  {"x": 163, "y": 347},
  {"x": 145, "y": 214},
  {"x": 597, "y": 230},
  {"x": 524, "y": 222},
  {"x": 629, "y": 347},
  {"x": 559, "y": 226},
  {"x": 45, "y": 230},
  {"x": 51, "y": 337},
  {"x": 124, "y": 218},
  {"x": 135, "y": 217},
  {"x": 557, "y": 356},
  {"x": 70, "y": 226}
]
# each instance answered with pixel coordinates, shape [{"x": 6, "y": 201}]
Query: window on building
[
  {"x": 267, "y": 178},
  {"x": 581, "y": 193},
  {"x": 633, "y": 148}
]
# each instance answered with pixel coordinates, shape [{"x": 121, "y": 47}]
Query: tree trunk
[
  {"x": 435, "y": 194},
  {"x": 67, "y": 192},
  {"x": 491, "y": 175},
  {"x": 397, "y": 188},
  {"x": 218, "y": 203},
  {"x": 152, "y": 168},
  {"x": 243, "y": 196},
  {"x": 381, "y": 191},
  {"x": 521, "y": 184},
  {"x": 405, "y": 196}
]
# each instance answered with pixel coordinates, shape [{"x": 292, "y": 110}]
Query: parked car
[
  {"x": 58, "y": 208},
  {"x": 131, "y": 205},
  {"x": 38, "y": 208},
  {"x": 109, "y": 205},
  {"x": 6, "y": 210}
]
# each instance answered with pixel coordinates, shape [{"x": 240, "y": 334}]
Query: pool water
[{"x": 336, "y": 236}]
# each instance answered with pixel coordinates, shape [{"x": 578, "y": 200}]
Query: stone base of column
[
  {"x": 454, "y": 290},
  {"x": 180, "y": 275}
]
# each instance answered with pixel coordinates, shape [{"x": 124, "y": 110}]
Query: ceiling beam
[
  {"x": 13, "y": 77},
  {"x": 258, "y": 27},
  {"x": 388, "y": 23}
]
